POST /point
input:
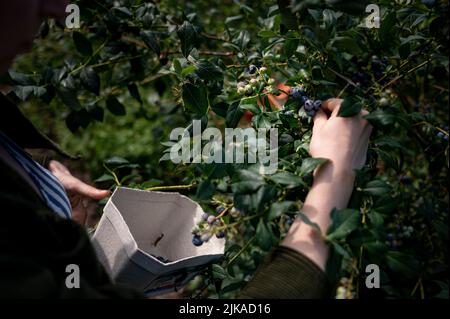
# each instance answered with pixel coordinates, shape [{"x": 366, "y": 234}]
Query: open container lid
[{"x": 138, "y": 226}]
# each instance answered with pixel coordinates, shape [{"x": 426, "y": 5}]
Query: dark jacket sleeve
[
  {"x": 36, "y": 246},
  {"x": 287, "y": 274}
]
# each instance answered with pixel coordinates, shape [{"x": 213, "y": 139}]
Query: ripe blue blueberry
[
  {"x": 252, "y": 69},
  {"x": 311, "y": 113},
  {"x": 298, "y": 92},
  {"x": 220, "y": 209},
  {"x": 289, "y": 220},
  {"x": 440, "y": 134},
  {"x": 317, "y": 105},
  {"x": 221, "y": 234},
  {"x": 197, "y": 241},
  {"x": 309, "y": 105},
  {"x": 205, "y": 216}
]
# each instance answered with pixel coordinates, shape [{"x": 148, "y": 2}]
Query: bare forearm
[{"x": 332, "y": 188}]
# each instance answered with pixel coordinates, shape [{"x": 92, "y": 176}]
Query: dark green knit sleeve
[{"x": 287, "y": 274}]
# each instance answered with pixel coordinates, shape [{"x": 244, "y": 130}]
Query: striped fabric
[{"x": 49, "y": 186}]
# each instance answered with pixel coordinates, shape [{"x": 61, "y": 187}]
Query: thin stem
[
  {"x": 172, "y": 187},
  {"x": 90, "y": 58},
  {"x": 342, "y": 77},
  {"x": 405, "y": 74},
  {"x": 240, "y": 251},
  {"x": 116, "y": 179}
]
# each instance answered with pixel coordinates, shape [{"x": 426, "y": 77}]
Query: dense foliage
[{"x": 137, "y": 69}]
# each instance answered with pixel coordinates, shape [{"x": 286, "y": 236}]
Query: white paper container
[{"x": 131, "y": 224}]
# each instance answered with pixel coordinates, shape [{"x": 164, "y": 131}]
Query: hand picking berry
[{"x": 309, "y": 105}]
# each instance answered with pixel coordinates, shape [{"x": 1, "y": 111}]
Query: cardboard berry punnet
[{"x": 139, "y": 226}]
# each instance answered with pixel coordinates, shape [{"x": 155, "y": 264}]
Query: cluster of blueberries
[
  {"x": 256, "y": 82},
  {"x": 311, "y": 107},
  {"x": 199, "y": 238},
  {"x": 378, "y": 67}
]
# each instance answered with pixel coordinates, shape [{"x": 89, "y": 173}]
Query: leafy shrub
[{"x": 144, "y": 68}]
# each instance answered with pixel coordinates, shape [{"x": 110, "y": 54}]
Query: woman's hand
[
  {"x": 77, "y": 191},
  {"x": 344, "y": 142}
]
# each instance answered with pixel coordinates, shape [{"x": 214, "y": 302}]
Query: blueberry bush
[{"x": 113, "y": 90}]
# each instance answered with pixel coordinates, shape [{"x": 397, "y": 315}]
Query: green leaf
[
  {"x": 380, "y": 118},
  {"x": 340, "y": 250},
  {"x": 116, "y": 160},
  {"x": 279, "y": 208},
  {"x": 388, "y": 141},
  {"x": 287, "y": 179},
  {"x": 188, "y": 70},
  {"x": 177, "y": 66},
  {"x": 386, "y": 204},
  {"x": 246, "y": 187},
  {"x": 263, "y": 235},
  {"x": 288, "y": 18},
  {"x": 21, "y": 79},
  {"x": 249, "y": 175},
  {"x": 151, "y": 41},
  {"x": 343, "y": 223},
  {"x": 220, "y": 108},
  {"x": 104, "y": 178},
  {"x": 347, "y": 44},
  {"x": 219, "y": 272},
  {"x": 389, "y": 159},
  {"x": 82, "y": 44},
  {"x": 243, "y": 39},
  {"x": 310, "y": 164},
  {"x": 23, "y": 92},
  {"x": 376, "y": 219},
  {"x": 90, "y": 80},
  {"x": 96, "y": 112},
  {"x": 76, "y": 119},
  {"x": 195, "y": 99},
  {"x": 290, "y": 46},
  {"x": 250, "y": 107},
  {"x": 350, "y": 107},
  {"x": 188, "y": 37},
  {"x": 69, "y": 98},
  {"x": 134, "y": 92},
  {"x": 205, "y": 190},
  {"x": 267, "y": 34},
  {"x": 234, "y": 115},
  {"x": 403, "y": 264},
  {"x": 308, "y": 222},
  {"x": 377, "y": 188},
  {"x": 115, "y": 107},
  {"x": 209, "y": 71}
]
